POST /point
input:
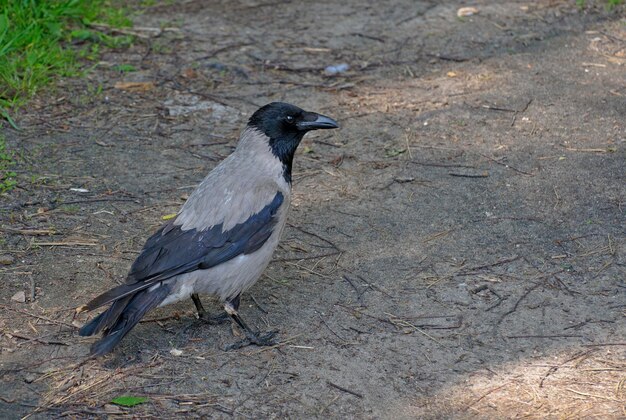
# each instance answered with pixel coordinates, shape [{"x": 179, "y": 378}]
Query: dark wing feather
[{"x": 172, "y": 251}]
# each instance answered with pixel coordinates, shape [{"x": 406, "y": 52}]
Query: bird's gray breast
[
  {"x": 233, "y": 202},
  {"x": 240, "y": 186}
]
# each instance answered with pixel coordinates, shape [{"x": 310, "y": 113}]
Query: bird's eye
[{"x": 290, "y": 119}]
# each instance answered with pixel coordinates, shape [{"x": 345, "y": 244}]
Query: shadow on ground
[{"x": 456, "y": 250}]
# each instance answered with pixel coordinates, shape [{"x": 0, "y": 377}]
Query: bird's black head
[{"x": 285, "y": 125}]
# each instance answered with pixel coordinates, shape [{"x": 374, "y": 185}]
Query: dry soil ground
[{"x": 456, "y": 250}]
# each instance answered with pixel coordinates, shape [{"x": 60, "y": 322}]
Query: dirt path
[{"x": 456, "y": 250}]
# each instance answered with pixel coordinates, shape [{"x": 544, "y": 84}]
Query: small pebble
[
  {"x": 19, "y": 297},
  {"x": 113, "y": 409},
  {"x": 30, "y": 378},
  {"x": 336, "y": 69}
]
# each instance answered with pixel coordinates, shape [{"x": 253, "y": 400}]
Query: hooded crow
[{"x": 222, "y": 238}]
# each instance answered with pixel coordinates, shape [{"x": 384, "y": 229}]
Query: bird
[{"x": 222, "y": 238}]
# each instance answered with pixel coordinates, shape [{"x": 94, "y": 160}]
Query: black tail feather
[
  {"x": 90, "y": 329},
  {"x": 117, "y": 293},
  {"x": 128, "y": 312},
  {"x": 106, "y": 319}
]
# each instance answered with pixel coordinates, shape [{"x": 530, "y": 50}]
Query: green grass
[
  {"x": 609, "y": 3},
  {"x": 7, "y": 162},
  {"x": 124, "y": 68},
  {"x": 42, "y": 40}
]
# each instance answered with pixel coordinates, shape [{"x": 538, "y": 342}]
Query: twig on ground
[
  {"x": 605, "y": 344},
  {"x": 602, "y": 397},
  {"x": 309, "y": 257},
  {"x": 448, "y": 58},
  {"x": 68, "y": 243},
  {"x": 526, "y": 293},
  {"x": 175, "y": 315},
  {"x": 137, "y": 31},
  {"x": 517, "y": 111},
  {"x": 546, "y": 336},
  {"x": 95, "y": 200},
  {"x": 487, "y": 287},
  {"x": 275, "y": 346},
  {"x": 32, "y": 288},
  {"x": 442, "y": 165},
  {"x": 506, "y": 165},
  {"x": 37, "y": 339},
  {"x": 359, "y": 295},
  {"x": 43, "y": 318},
  {"x": 521, "y": 298},
  {"x": 330, "y": 329},
  {"x": 485, "y": 394},
  {"x": 258, "y": 305},
  {"x": 375, "y": 287},
  {"x": 555, "y": 368},
  {"x": 341, "y": 388},
  {"x": 437, "y": 235},
  {"x": 473, "y": 270},
  {"x": 31, "y": 232},
  {"x": 315, "y": 235},
  {"x": 483, "y": 175}
]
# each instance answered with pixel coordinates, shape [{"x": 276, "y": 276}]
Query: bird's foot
[
  {"x": 213, "y": 319},
  {"x": 256, "y": 338}
]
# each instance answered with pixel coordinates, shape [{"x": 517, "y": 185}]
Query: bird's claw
[
  {"x": 213, "y": 319},
  {"x": 256, "y": 338}
]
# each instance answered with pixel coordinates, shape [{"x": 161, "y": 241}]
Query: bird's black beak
[{"x": 313, "y": 121}]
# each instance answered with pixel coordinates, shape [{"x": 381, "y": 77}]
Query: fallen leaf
[
  {"x": 7, "y": 259},
  {"x": 128, "y": 401},
  {"x": 615, "y": 60},
  {"x": 190, "y": 74},
  {"x": 466, "y": 11},
  {"x": 135, "y": 86},
  {"x": 168, "y": 216},
  {"x": 394, "y": 152},
  {"x": 451, "y": 74},
  {"x": 337, "y": 161}
]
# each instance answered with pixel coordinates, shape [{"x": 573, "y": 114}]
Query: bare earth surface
[{"x": 456, "y": 250}]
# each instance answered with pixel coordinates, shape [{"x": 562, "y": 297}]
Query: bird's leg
[
  {"x": 252, "y": 337},
  {"x": 204, "y": 315},
  {"x": 199, "y": 307}
]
